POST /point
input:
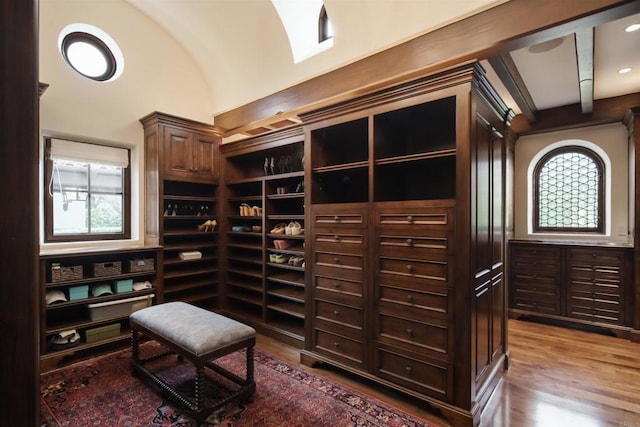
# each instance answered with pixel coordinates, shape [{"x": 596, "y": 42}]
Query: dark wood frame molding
[{"x": 19, "y": 290}]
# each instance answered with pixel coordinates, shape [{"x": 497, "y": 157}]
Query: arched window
[
  {"x": 569, "y": 191},
  {"x": 324, "y": 26}
]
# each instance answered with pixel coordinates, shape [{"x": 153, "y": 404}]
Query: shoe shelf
[{"x": 265, "y": 173}]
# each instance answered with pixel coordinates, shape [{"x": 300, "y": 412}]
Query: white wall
[
  {"x": 612, "y": 139},
  {"x": 158, "y": 76}
]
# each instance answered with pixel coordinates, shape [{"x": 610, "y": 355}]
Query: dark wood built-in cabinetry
[
  {"x": 73, "y": 278},
  {"x": 182, "y": 209},
  {"x": 572, "y": 283},
  {"x": 264, "y": 262},
  {"x": 405, "y": 227}
]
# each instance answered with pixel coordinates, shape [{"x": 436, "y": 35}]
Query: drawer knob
[
  {"x": 410, "y": 332},
  {"x": 409, "y": 242},
  {"x": 336, "y": 285},
  {"x": 410, "y": 299},
  {"x": 336, "y": 238},
  {"x": 409, "y": 268},
  {"x": 336, "y": 260},
  {"x": 408, "y": 370},
  {"x": 336, "y": 344},
  {"x": 595, "y": 255},
  {"x": 336, "y": 313},
  {"x": 409, "y": 219},
  {"x": 336, "y": 218}
]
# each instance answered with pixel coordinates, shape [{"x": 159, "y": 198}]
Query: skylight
[
  {"x": 301, "y": 21},
  {"x": 91, "y": 52}
]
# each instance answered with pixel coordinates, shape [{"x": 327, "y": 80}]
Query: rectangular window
[{"x": 87, "y": 195}]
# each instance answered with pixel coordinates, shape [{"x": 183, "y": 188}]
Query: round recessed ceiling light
[
  {"x": 632, "y": 27},
  {"x": 546, "y": 46},
  {"x": 624, "y": 70},
  {"x": 91, "y": 52}
]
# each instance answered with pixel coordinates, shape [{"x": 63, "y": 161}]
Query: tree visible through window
[{"x": 569, "y": 191}]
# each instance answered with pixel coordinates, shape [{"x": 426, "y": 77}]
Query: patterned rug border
[{"x": 361, "y": 401}]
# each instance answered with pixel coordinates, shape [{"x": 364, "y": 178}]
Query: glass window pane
[
  {"x": 106, "y": 213},
  {"x": 568, "y": 191},
  {"x": 70, "y": 214},
  {"x": 106, "y": 179}
]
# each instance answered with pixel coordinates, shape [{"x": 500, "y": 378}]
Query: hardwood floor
[{"x": 557, "y": 377}]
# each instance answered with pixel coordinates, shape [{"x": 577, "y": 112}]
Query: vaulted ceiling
[{"x": 245, "y": 42}]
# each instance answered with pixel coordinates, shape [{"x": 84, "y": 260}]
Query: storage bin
[
  {"x": 136, "y": 265},
  {"x": 118, "y": 308},
  {"x": 101, "y": 269},
  {"x": 63, "y": 274},
  {"x": 125, "y": 285},
  {"x": 78, "y": 292},
  {"x": 102, "y": 332}
]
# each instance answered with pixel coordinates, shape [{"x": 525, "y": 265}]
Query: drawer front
[
  {"x": 420, "y": 218},
  {"x": 437, "y": 246},
  {"x": 338, "y": 286},
  {"x": 422, "y": 337},
  {"x": 338, "y": 265},
  {"x": 339, "y": 348},
  {"x": 531, "y": 252},
  {"x": 536, "y": 300},
  {"x": 397, "y": 301},
  {"x": 431, "y": 378},
  {"x": 339, "y": 240},
  {"x": 596, "y": 257},
  {"x": 595, "y": 311},
  {"x": 338, "y": 216},
  {"x": 339, "y": 313},
  {"x": 536, "y": 280},
  {"x": 435, "y": 270}
]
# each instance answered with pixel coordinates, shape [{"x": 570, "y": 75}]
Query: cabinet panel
[
  {"x": 428, "y": 269},
  {"x": 341, "y": 348},
  {"x": 339, "y": 313},
  {"x": 178, "y": 153},
  {"x": 432, "y": 303}
]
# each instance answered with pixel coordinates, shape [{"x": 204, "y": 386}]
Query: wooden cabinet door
[
  {"x": 204, "y": 156},
  {"x": 178, "y": 153}
]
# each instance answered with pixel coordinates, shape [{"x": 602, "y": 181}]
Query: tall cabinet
[
  {"x": 181, "y": 214},
  {"x": 405, "y": 232}
]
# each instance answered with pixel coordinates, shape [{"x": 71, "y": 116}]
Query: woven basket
[
  {"x": 63, "y": 274},
  {"x": 101, "y": 269},
  {"x": 136, "y": 265}
]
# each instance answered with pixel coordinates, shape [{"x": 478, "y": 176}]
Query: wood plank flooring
[{"x": 558, "y": 377}]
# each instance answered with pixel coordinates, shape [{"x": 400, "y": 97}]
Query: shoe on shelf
[
  {"x": 209, "y": 225},
  {"x": 272, "y": 257},
  {"x": 245, "y": 210},
  {"x": 278, "y": 229},
  {"x": 255, "y": 211},
  {"x": 282, "y": 244},
  {"x": 294, "y": 229},
  {"x": 281, "y": 259},
  {"x": 296, "y": 261}
]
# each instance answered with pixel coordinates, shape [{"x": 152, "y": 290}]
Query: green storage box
[
  {"x": 102, "y": 332},
  {"x": 125, "y": 285},
  {"x": 78, "y": 292}
]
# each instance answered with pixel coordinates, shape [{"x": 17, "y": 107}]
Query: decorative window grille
[{"x": 569, "y": 191}]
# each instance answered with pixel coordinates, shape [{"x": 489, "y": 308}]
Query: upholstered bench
[{"x": 199, "y": 336}]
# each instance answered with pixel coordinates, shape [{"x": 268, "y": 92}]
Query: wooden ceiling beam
[
  {"x": 608, "y": 110},
  {"x": 584, "y": 53},
  {"x": 508, "y": 73}
]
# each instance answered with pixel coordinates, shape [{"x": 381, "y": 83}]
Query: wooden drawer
[
  {"x": 339, "y": 313},
  {"x": 429, "y": 377},
  {"x": 536, "y": 300},
  {"x": 338, "y": 265},
  {"x": 422, "y": 337},
  {"x": 535, "y": 252},
  {"x": 396, "y": 300},
  {"x": 339, "y": 216},
  {"x": 592, "y": 310},
  {"x": 596, "y": 258},
  {"x": 436, "y": 246},
  {"x": 428, "y": 269},
  {"x": 335, "y": 285},
  {"x": 536, "y": 280},
  {"x": 339, "y": 348},
  {"x": 339, "y": 240},
  {"x": 419, "y": 218}
]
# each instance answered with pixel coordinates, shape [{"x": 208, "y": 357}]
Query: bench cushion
[{"x": 195, "y": 329}]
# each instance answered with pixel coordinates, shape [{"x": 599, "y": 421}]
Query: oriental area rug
[{"x": 102, "y": 392}]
